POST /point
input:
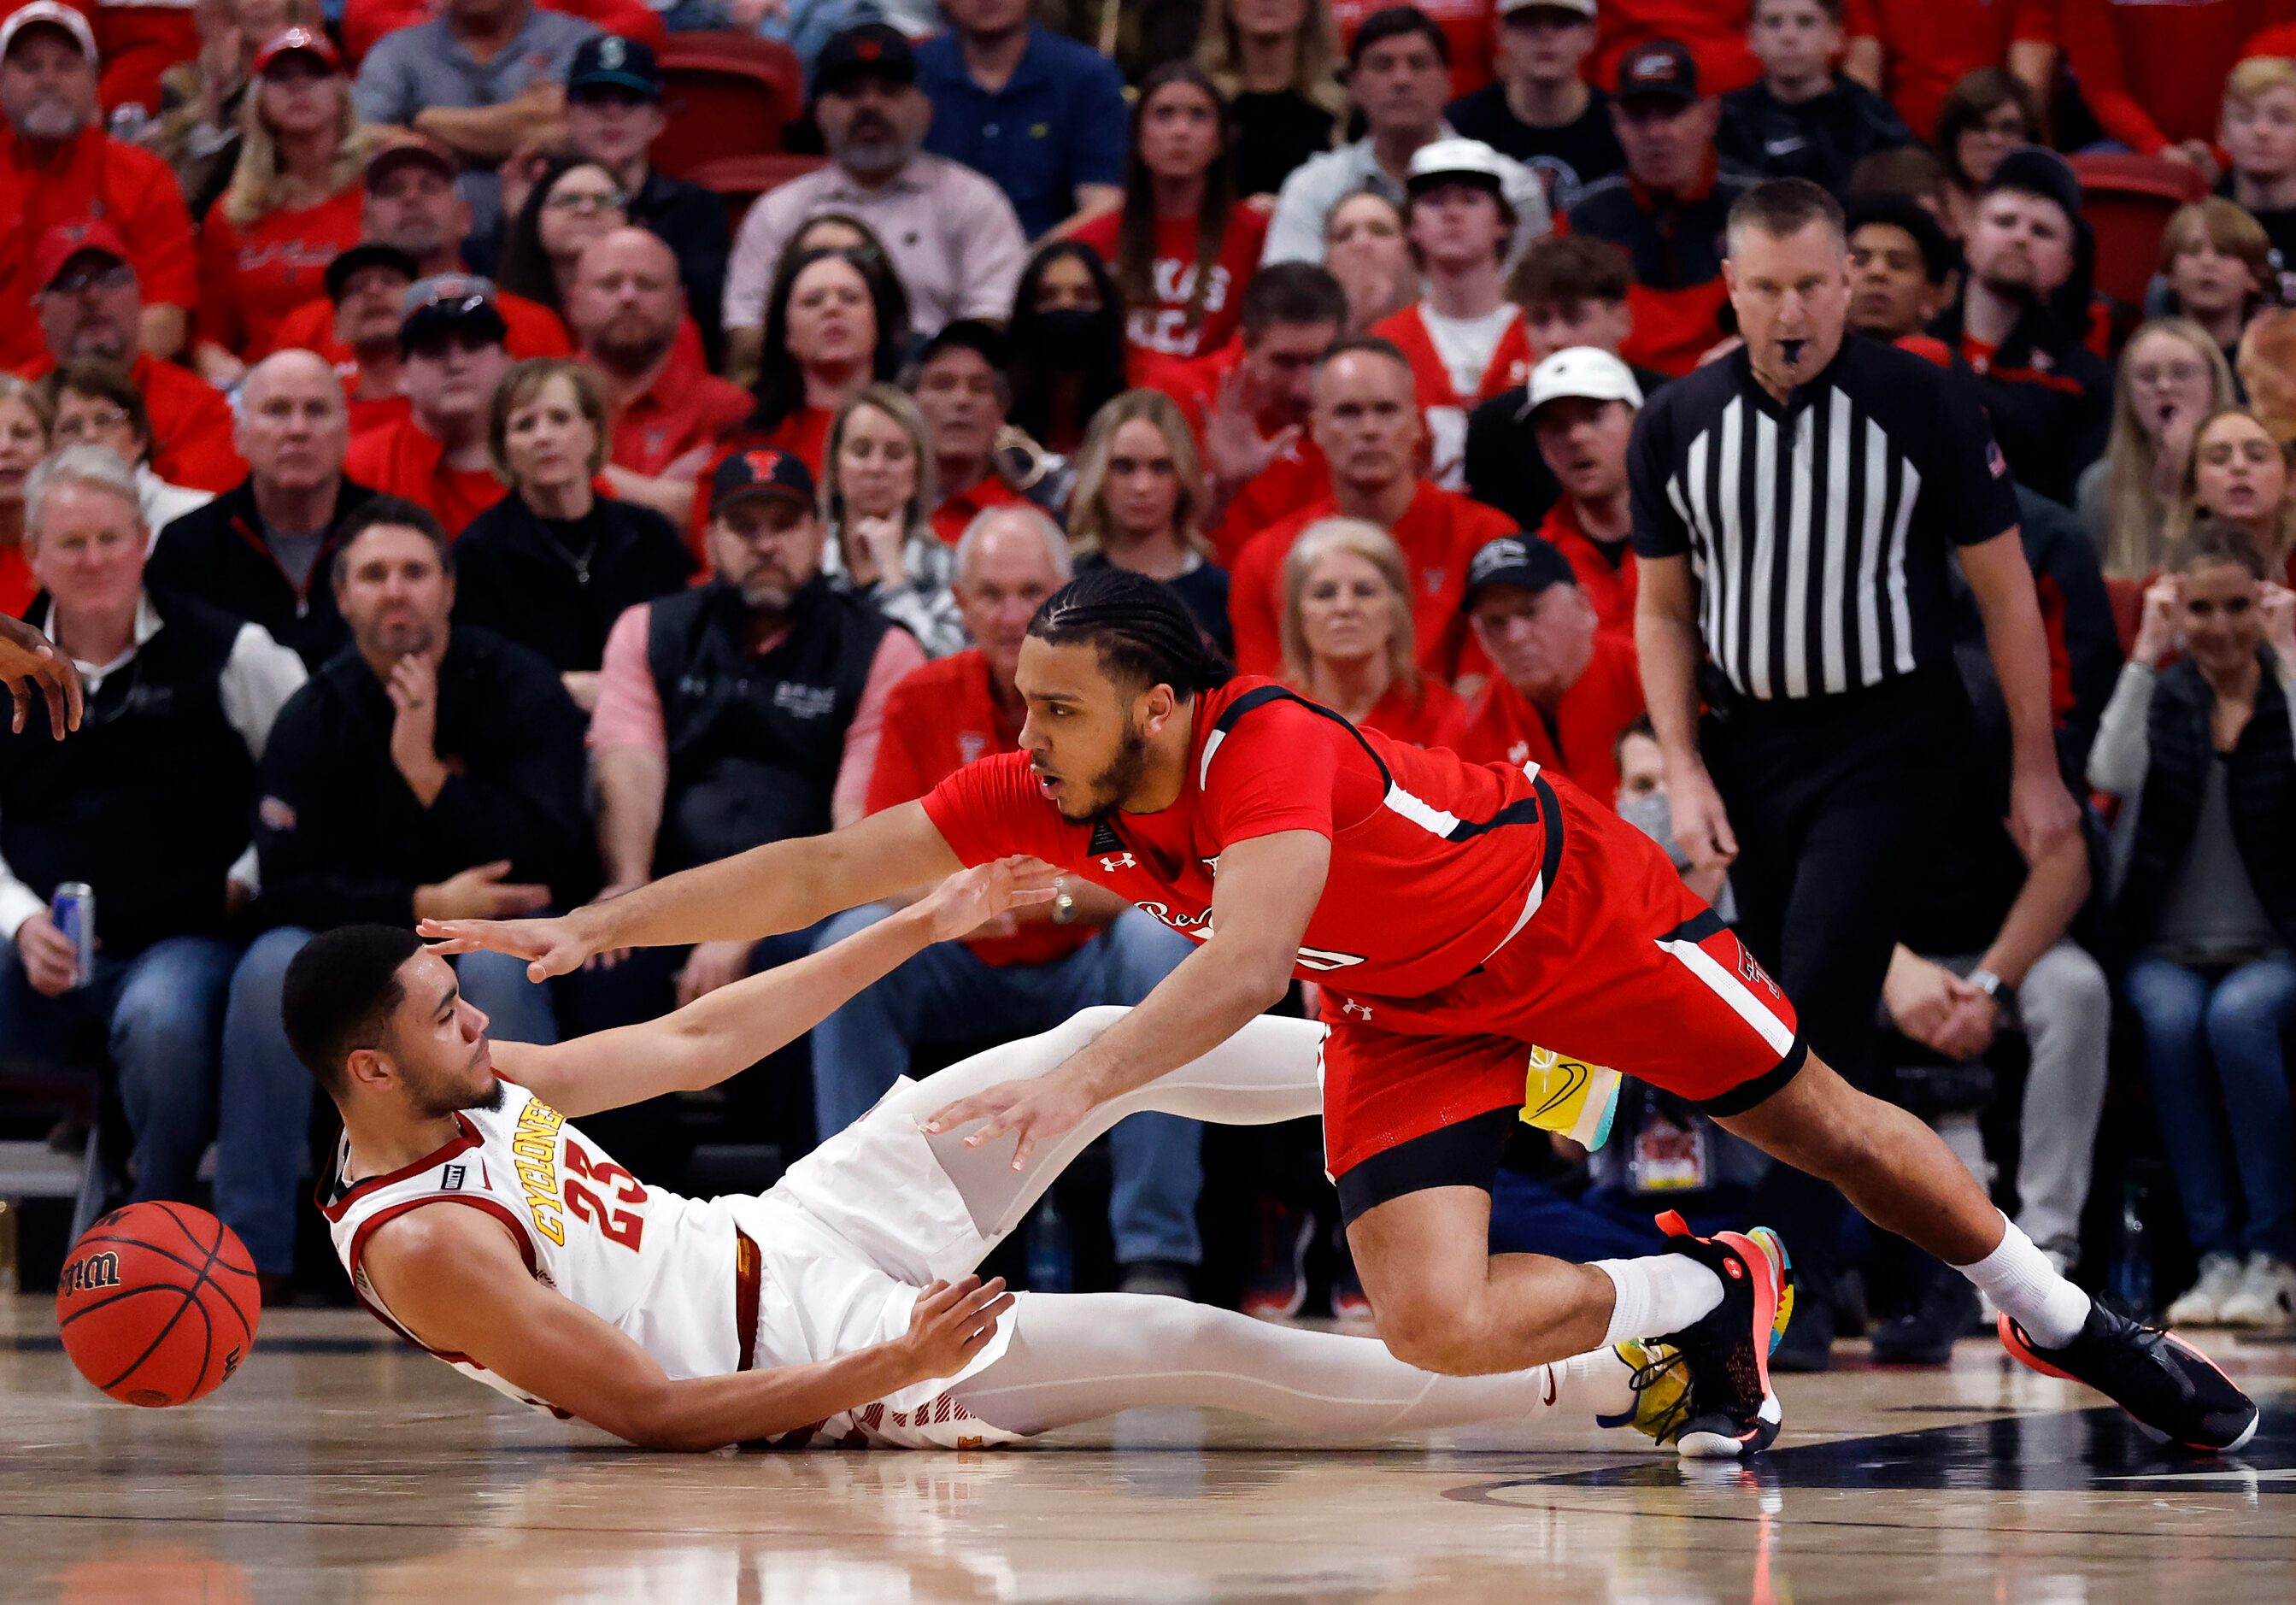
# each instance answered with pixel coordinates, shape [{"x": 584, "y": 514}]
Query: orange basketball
[{"x": 158, "y": 1304}]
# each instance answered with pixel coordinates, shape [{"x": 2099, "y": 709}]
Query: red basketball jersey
[{"x": 1435, "y": 861}]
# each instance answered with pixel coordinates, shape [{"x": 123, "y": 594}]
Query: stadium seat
[
  {"x": 724, "y": 95},
  {"x": 740, "y": 180},
  {"x": 2128, "y": 201}
]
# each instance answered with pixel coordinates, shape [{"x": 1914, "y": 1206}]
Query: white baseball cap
[
  {"x": 72, "y": 22},
  {"x": 1457, "y": 158},
  {"x": 1588, "y": 372},
  {"x": 1585, "y": 8}
]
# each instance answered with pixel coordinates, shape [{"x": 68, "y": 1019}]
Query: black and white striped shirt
[{"x": 1817, "y": 529}]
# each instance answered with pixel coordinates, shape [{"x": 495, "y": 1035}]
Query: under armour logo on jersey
[
  {"x": 1119, "y": 860},
  {"x": 1360, "y": 1010}
]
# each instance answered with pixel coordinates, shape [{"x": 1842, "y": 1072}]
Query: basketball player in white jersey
[{"x": 840, "y": 1308}]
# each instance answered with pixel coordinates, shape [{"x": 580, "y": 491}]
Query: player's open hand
[
  {"x": 950, "y": 1322},
  {"x": 551, "y": 946},
  {"x": 970, "y": 898},
  {"x": 31, "y": 666},
  {"x": 1035, "y": 1111}
]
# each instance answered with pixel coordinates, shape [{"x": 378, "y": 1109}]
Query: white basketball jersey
[{"x": 659, "y": 1266}]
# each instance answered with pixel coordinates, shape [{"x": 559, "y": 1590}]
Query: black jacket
[
  {"x": 692, "y": 222},
  {"x": 557, "y": 589},
  {"x": 340, "y": 837},
  {"x": 216, "y": 555},
  {"x": 1504, "y": 469},
  {"x": 2049, "y": 396},
  {"x": 1820, "y": 139},
  {"x": 2262, "y": 789}
]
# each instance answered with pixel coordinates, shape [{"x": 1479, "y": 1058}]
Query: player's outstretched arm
[
  {"x": 455, "y": 1277},
  {"x": 780, "y": 886},
  {"x": 722, "y": 1033},
  {"x": 1266, "y": 891}
]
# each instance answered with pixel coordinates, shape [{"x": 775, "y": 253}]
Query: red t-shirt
[
  {"x": 1927, "y": 47},
  {"x": 1440, "y": 403},
  {"x": 1300, "y": 476},
  {"x": 1470, "y": 27},
  {"x": 1715, "y": 30},
  {"x": 533, "y": 330},
  {"x": 959, "y": 509},
  {"x": 1433, "y": 715},
  {"x": 373, "y": 412},
  {"x": 682, "y": 414},
  {"x": 96, "y": 176},
  {"x": 1609, "y": 586},
  {"x": 940, "y": 717},
  {"x": 1438, "y": 533},
  {"x": 17, "y": 586},
  {"x": 1162, "y": 329},
  {"x": 192, "y": 423},
  {"x": 403, "y": 459},
  {"x": 2154, "y": 75},
  {"x": 1404, "y": 910},
  {"x": 251, "y": 279},
  {"x": 1503, "y": 727}
]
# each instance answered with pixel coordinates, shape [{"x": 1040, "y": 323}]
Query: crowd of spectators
[{"x": 452, "y": 514}]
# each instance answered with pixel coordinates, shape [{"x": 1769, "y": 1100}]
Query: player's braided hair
[{"x": 1144, "y": 633}]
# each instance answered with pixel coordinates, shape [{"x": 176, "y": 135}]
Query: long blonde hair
[
  {"x": 1088, "y": 522},
  {"x": 2134, "y": 513},
  {"x": 2186, "y": 511},
  {"x": 894, "y": 402},
  {"x": 257, "y": 186},
  {"x": 1220, "y": 51},
  {"x": 1360, "y": 538}
]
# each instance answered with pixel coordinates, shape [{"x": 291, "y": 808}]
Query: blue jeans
[
  {"x": 2220, "y": 1091},
  {"x": 946, "y": 994},
  {"x": 259, "y": 1169},
  {"x": 161, "y": 1016}
]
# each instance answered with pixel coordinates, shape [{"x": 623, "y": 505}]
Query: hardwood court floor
[{"x": 337, "y": 1466}]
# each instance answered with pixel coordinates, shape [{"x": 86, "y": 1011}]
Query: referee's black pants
[{"x": 1829, "y": 798}]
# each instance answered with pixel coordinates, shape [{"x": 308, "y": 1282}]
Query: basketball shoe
[
  {"x": 2173, "y": 1392},
  {"x": 1732, "y": 1410},
  {"x": 1661, "y": 1384},
  {"x": 1570, "y": 1097}
]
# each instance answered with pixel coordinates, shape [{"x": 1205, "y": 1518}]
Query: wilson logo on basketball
[{"x": 96, "y": 1271}]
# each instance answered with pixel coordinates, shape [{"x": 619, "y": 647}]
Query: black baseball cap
[
  {"x": 2037, "y": 170},
  {"x": 366, "y": 255},
  {"x": 450, "y": 303},
  {"x": 1662, "y": 69},
  {"x": 868, "y": 50},
  {"x": 609, "y": 61},
  {"x": 765, "y": 471},
  {"x": 1896, "y": 210},
  {"x": 971, "y": 335},
  {"x": 1519, "y": 560}
]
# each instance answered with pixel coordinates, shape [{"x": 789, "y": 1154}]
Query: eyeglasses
[
  {"x": 83, "y": 425},
  {"x": 568, "y": 201},
  {"x": 118, "y": 276}
]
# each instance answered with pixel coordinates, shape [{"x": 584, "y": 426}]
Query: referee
[{"x": 1793, "y": 506}]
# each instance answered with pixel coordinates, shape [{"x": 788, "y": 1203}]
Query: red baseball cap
[
  {"x": 293, "y": 41},
  {"x": 66, "y": 240}
]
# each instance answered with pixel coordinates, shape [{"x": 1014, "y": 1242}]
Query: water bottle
[
  {"x": 1048, "y": 1250},
  {"x": 2132, "y": 1267},
  {"x": 130, "y": 121}
]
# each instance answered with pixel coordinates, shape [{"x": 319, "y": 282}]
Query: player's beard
[
  {"x": 435, "y": 1101},
  {"x": 1118, "y": 781}
]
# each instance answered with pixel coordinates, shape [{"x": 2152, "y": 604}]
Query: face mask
[
  {"x": 1065, "y": 336},
  {"x": 1651, "y": 814}
]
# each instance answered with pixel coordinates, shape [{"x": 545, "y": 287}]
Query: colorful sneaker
[
  {"x": 1277, "y": 1285},
  {"x": 2174, "y": 1393},
  {"x": 1661, "y": 1384},
  {"x": 1733, "y": 1411},
  {"x": 1571, "y": 1097}
]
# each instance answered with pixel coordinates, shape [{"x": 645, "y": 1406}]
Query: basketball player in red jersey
[{"x": 1456, "y": 915}]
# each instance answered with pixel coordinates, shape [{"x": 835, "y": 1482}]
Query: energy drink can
[{"x": 73, "y": 908}]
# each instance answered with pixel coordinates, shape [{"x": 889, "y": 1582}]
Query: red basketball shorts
[{"x": 1620, "y": 965}]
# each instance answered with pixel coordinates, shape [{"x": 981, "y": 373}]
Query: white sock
[
  {"x": 2022, "y": 1284},
  {"x": 1663, "y": 1293}
]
